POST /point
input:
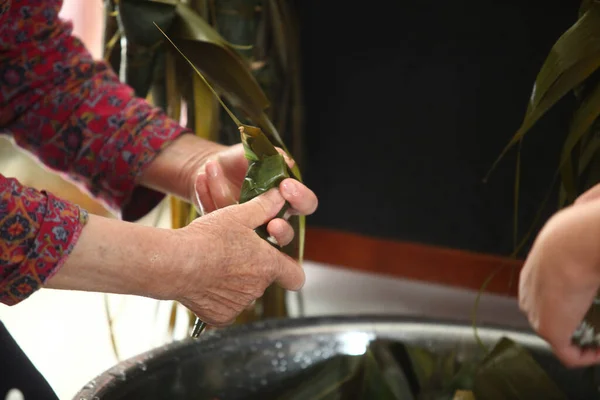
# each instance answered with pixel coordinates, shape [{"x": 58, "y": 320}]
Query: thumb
[{"x": 259, "y": 210}]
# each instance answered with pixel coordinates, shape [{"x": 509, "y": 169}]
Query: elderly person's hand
[
  {"x": 218, "y": 184},
  {"x": 210, "y": 176},
  {"x": 217, "y": 266},
  {"x": 219, "y": 179},
  {"x": 561, "y": 277},
  {"x": 222, "y": 282}
]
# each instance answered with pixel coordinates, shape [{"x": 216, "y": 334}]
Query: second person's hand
[{"x": 561, "y": 277}]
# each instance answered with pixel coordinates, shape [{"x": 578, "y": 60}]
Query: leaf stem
[{"x": 233, "y": 117}]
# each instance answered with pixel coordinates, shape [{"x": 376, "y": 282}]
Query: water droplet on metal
[
  {"x": 142, "y": 365},
  {"x": 119, "y": 374}
]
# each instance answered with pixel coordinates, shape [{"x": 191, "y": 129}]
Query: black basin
[{"x": 248, "y": 362}]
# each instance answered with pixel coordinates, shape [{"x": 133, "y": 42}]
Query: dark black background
[{"x": 408, "y": 103}]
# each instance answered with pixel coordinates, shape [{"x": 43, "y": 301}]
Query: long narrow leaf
[
  {"x": 179, "y": 208},
  {"x": 575, "y": 45},
  {"x": 327, "y": 379},
  {"x": 173, "y": 109},
  {"x": 574, "y": 57},
  {"x": 510, "y": 372},
  {"x": 390, "y": 372},
  {"x": 140, "y": 53},
  {"x": 376, "y": 386},
  {"x": 583, "y": 120},
  {"x": 298, "y": 222},
  {"x": 205, "y": 115},
  {"x": 267, "y": 168},
  {"x": 218, "y": 61}
]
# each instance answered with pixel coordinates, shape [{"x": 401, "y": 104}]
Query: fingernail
[
  {"x": 290, "y": 187},
  {"x": 211, "y": 169}
]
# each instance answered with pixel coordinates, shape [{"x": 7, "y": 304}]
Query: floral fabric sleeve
[
  {"x": 37, "y": 231},
  {"x": 76, "y": 117}
]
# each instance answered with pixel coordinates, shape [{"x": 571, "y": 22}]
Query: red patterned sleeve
[
  {"x": 72, "y": 112},
  {"x": 37, "y": 231},
  {"x": 77, "y": 118}
]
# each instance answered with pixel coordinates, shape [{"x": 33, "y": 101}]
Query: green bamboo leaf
[
  {"x": 225, "y": 68},
  {"x": 423, "y": 362},
  {"x": 205, "y": 110},
  {"x": 575, "y": 45},
  {"x": 386, "y": 371},
  {"x": 142, "y": 52},
  {"x": 573, "y": 58},
  {"x": 280, "y": 33},
  {"x": 172, "y": 88},
  {"x": 584, "y": 118},
  {"x": 585, "y": 5},
  {"x": 326, "y": 380},
  {"x": 296, "y": 248},
  {"x": 509, "y": 372},
  {"x": 218, "y": 61},
  {"x": 376, "y": 386},
  {"x": 266, "y": 169},
  {"x": 255, "y": 174},
  {"x": 207, "y": 51},
  {"x": 199, "y": 74}
]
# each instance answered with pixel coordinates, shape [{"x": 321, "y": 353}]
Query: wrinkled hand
[
  {"x": 219, "y": 181},
  {"x": 561, "y": 277},
  {"x": 229, "y": 266}
]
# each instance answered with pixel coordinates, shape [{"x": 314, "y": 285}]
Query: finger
[
  {"x": 302, "y": 199},
  {"x": 557, "y": 314},
  {"x": 203, "y": 197},
  {"x": 281, "y": 230},
  {"x": 218, "y": 185},
  {"x": 217, "y": 323},
  {"x": 257, "y": 211},
  {"x": 574, "y": 357},
  {"x": 234, "y": 163},
  {"x": 290, "y": 274}
]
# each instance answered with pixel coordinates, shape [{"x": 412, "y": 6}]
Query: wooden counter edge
[{"x": 451, "y": 267}]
